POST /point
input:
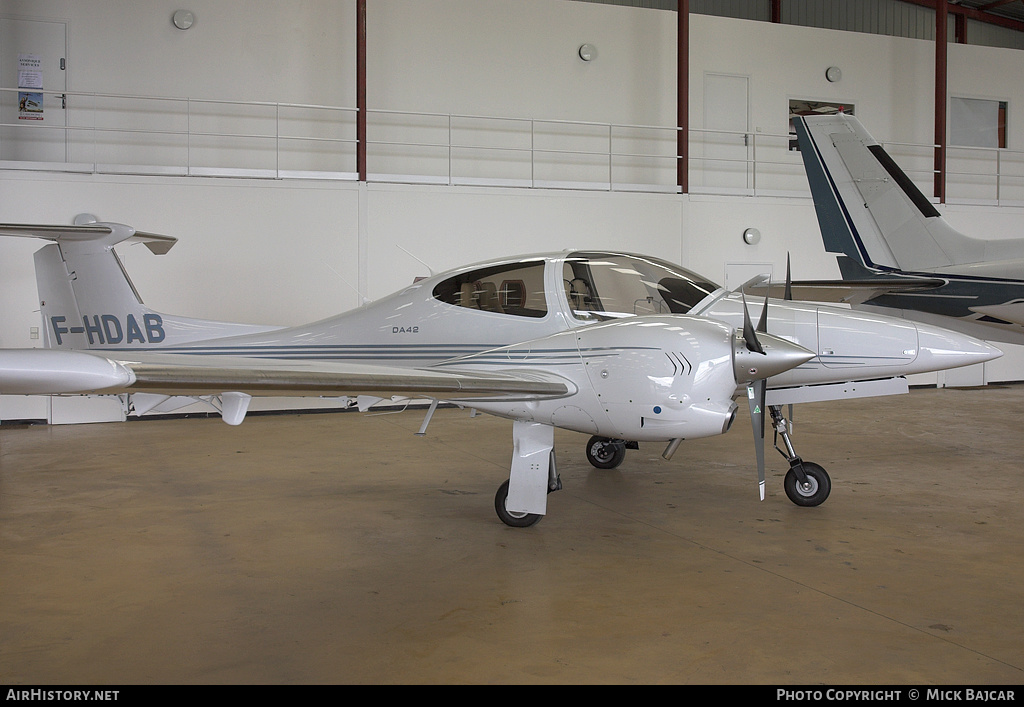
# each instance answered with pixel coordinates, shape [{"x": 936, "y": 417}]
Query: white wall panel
[{"x": 520, "y": 59}]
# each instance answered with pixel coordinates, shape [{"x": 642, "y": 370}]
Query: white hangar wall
[
  {"x": 249, "y": 50},
  {"x": 287, "y": 251}
]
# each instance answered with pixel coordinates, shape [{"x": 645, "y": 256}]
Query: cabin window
[
  {"x": 602, "y": 286},
  {"x": 516, "y": 289}
]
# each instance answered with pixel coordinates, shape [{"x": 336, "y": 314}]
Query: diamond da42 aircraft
[
  {"x": 622, "y": 347},
  {"x": 888, "y": 237}
]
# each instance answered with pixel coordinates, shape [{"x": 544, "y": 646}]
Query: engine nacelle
[
  {"x": 661, "y": 377},
  {"x": 649, "y": 378}
]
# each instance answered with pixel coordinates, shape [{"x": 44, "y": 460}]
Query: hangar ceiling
[
  {"x": 1012, "y": 9},
  {"x": 986, "y": 22}
]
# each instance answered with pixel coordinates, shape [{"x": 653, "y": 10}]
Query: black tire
[
  {"x": 605, "y": 453},
  {"x": 818, "y": 487},
  {"x": 516, "y": 520}
]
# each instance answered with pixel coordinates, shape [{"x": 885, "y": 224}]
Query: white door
[
  {"x": 726, "y": 143},
  {"x": 33, "y": 70}
]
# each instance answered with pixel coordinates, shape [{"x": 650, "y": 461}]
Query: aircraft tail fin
[
  {"x": 87, "y": 300},
  {"x": 868, "y": 208}
]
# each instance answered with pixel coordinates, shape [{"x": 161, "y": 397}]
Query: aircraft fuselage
[{"x": 454, "y": 316}]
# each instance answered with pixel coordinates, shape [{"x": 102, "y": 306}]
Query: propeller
[
  {"x": 757, "y": 389},
  {"x": 762, "y": 356},
  {"x": 757, "y": 385}
]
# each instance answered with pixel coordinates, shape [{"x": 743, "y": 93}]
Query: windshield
[{"x": 611, "y": 285}]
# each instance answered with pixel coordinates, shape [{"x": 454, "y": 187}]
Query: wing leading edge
[{"x": 48, "y": 371}]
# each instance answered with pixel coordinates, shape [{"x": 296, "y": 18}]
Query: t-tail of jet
[
  {"x": 87, "y": 300},
  {"x": 868, "y": 209},
  {"x": 895, "y": 251}
]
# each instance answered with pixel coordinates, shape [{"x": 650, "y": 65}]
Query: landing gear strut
[
  {"x": 806, "y": 483},
  {"x": 512, "y": 518},
  {"x": 522, "y": 500}
]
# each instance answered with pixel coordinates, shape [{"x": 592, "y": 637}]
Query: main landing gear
[
  {"x": 534, "y": 474},
  {"x": 513, "y": 518},
  {"x": 522, "y": 500},
  {"x": 806, "y": 483},
  {"x": 607, "y": 453}
]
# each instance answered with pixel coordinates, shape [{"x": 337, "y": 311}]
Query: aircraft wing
[
  {"x": 50, "y": 371},
  {"x": 845, "y": 291}
]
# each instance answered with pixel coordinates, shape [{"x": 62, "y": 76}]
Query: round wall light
[
  {"x": 587, "y": 52},
  {"x": 183, "y": 19},
  {"x": 751, "y": 236}
]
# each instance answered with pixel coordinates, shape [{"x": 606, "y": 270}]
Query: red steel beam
[
  {"x": 941, "y": 17},
  {"x": 361, "y": 89},
  {"x": 683, "y": 98},
  {"x": 960, "y": 29}
]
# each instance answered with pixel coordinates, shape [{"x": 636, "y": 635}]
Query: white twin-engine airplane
[{"x": 622, "y": 347}]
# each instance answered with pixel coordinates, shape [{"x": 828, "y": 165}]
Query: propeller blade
[
  {"x": 756, "y": 394},
  {"x": 749, "y": 335},
  {"x": 789, "y": 282},
  {"x": 762, "y": 321}
]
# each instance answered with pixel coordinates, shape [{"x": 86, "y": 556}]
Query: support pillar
[
  {"x": 361, "y": 89},
  {"x": 941, "y": 17},
  {"x": 683, "y": 98}
]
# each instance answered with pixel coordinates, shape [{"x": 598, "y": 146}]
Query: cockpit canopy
[
  {"x": 611, "y": 285},
  {"x": 598, "y": 286}
]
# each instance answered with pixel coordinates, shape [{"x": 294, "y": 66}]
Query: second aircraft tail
[{"x": 869, "y": 209}]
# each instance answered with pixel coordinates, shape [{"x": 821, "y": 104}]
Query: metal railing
[
  {"x": 106, "y": 132},
  {"x": 530, "y": 152},
  {"x": 130, "y": 134}
]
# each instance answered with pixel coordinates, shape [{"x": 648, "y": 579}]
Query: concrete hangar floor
[{"x": 340, "y": 548}]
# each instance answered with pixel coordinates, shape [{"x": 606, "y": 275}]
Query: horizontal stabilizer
[
  {"x": 845, "y": 291},
  {"x": 107, "y": 233}
]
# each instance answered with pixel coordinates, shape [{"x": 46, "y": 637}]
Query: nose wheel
[{"x": 605, "y": 453}]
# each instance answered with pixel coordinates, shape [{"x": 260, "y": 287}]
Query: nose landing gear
[{"x": 605, "y": 453}]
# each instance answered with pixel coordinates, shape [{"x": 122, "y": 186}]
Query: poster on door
[{"x": 30, "y": 87}]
